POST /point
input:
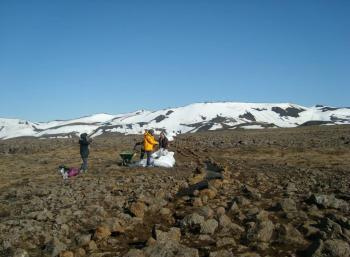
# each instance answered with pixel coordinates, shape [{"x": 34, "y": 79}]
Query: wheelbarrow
[{"x": 126, "y": 157}]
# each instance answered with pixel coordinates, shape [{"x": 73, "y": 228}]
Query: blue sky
[{"x": 65, "y": 59}]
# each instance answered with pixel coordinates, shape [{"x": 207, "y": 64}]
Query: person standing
[
  {"x": 84, "y": 143},
  {"x": 163, "y": 141},
  {"x": 149, "y": 143}
]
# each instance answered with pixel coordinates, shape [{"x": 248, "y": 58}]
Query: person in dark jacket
[
  {"x": 142, "y": 147},
  {"x": 84, "y": 151},
  {"x": 163, "y": 141}
]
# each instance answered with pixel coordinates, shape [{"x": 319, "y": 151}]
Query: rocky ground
[{"x": 274, "y": 192}]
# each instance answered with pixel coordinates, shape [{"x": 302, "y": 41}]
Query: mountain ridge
[{"x": 185, "y": 119}]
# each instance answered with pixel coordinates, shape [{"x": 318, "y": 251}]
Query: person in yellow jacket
[{"x": 148, "y": 143}]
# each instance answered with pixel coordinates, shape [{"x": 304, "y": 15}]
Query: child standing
[{"x": 84, "y": 151}]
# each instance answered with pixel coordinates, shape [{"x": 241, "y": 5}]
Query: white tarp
[{"x": 160, "y": 158}]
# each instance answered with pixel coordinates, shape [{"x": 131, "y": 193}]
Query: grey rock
[
  {"x": 209, "y": 226},
  {"x": 225, "y": 221},
  {"x": 287, "y": 205},
  {"x": 192, "y": 221},
  {"x": 260, "y": 231},
  {"x": 83, "y": 240},
  {"x": 329, "y": 201}
]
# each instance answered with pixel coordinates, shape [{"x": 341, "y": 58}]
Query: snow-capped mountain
[{"x": 187, "y": 119}]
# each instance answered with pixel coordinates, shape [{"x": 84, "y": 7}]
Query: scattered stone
[
  {"x": 206, "y": 212},
  {"x": 332, "y": 248},
  {"x": 134, "y": 253},
  {"x": 329, "y": 201},
  {"x": 66, "y": 254},
  {"x": 309, "y": 229},
  {"x": 102, "y": 232},
  {"x": 209, "y": 226},
  {"x": 55, "y": 247},
  {"x": 260, "y": 231},
  {"x": 80, "y": 252},
  {"x": 220, "y": 211},
  {"x": 221, "y": 253},
  {"x": 225, "y": 221},
  {"x": 92, "y": 246},
  {"x": 20, "y": 253},
  {"x": 192, "y": 221},
  {"x": 248, "y": 255},
  {"x": 251, "y": 192},
  {"x": 197, "y": 202},
  {"x": 289, "y": 235},
  {"x": 210, "y": 193},
  {"x": 83, "y": 240},
  {"x": 287, "y": 205},
  {"x": 165, "y": 211},
  {"x": 138, "y": 209},
  {"x": 234, "y": 208},
  {"x": 291, "y": 188},
  {"x": 174, "y": 234},
  {"x": 226, "y": 241},
  {"x": 242, "y": 201},
  {"x": 206, "y": 238},
  {"x": 170, "y": 249},
  {"x": 114, "y": 225}
]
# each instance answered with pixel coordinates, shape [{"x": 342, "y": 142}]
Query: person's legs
[
  {"x": 148, "y": 158},
  {"x": 84, "y": 165}
]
